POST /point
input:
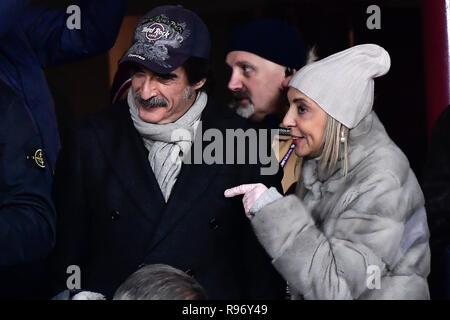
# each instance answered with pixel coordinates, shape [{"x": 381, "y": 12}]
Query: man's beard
[{"x": 245, "y": 111}]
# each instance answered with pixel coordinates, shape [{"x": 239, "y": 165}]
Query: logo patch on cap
[
  {"x": 155, "y": 31},
  {"x": 157, "y": 37}
]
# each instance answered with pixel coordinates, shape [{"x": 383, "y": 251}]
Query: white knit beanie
[{"x": 342, "y": 84}]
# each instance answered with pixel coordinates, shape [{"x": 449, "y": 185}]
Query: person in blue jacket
[
  {"x": 27, "y": 214},
  {"x": 33, "y": 37}
]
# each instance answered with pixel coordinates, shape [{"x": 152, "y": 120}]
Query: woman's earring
[{"x": 342, "y": 136}]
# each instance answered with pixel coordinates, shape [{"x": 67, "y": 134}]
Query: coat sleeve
[
  {"x": 55, "y": 43},
  {"x": 72, "y": 217},
  {"x": 322, "y": 264},
  {"x": 26, "y": 220},
  {"x": 10, "y": 13},
  {"x": 27, "y": 214}
]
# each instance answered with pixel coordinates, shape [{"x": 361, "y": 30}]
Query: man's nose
[
  {"x": 289, "y": 118},
  {"x": 235, "y": 83},
  {"x": 148, "y": 89}
]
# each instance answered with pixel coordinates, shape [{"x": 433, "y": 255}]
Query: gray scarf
[{"x": 168, "y": 143}]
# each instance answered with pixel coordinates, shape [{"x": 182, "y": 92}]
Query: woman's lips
[{"x": 297, "y": 140}]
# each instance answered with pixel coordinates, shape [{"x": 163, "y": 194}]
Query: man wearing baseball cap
[
  {"x": 125, "y": 195},
  {"x": 263, "y": 56}
]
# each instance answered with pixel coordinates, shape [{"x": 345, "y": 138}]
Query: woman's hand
[{"x": 251, "y": 193}]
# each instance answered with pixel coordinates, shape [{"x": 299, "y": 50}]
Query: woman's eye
[{"x": 301, "y": 109}]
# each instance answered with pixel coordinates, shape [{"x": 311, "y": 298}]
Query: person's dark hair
[
  {"x": 160, "y": 282},
  {"x": 197, "y": 69}
]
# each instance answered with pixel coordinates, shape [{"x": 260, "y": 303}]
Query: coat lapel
[
  {"x": 127, "y": 156},
  {"x": 191, "y": 184}
]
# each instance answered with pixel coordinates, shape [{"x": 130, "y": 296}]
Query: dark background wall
[{"x": 83, "y": 87}]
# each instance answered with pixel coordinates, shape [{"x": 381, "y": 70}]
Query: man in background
[
  {"x": 27, "y": 214},
  {"x": 160, "y": 282},
  {"x": 263, "y": 56}
]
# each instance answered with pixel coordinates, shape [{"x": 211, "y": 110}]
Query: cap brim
[{"x": 165, "y": 67}]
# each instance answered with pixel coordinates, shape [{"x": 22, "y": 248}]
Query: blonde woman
[{"x": 356, "y": 229}]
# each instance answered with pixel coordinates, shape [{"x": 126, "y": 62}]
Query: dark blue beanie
[{"x": 272, "y": 40}]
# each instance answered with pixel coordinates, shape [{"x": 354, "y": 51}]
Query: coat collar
[{"x": 358, "y": 150}]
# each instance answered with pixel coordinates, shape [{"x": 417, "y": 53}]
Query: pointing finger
[{"x": 242, "y": 189}]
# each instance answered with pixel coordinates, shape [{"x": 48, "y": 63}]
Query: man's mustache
[
  {"x": 153, "y": 102},
  {"x": 237, "y": 95}
]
